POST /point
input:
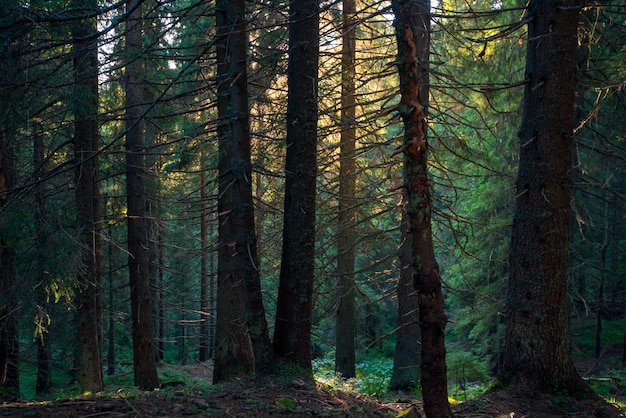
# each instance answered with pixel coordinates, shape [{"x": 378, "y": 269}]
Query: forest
[{"x": 381, "y": 207}]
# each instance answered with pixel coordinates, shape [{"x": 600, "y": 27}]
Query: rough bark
[
  {"x": 144, "y": 363},
  {"x": 241, "y": 175},
  {"x": 152, "y": 66},
  {"x": 89, "y": 294},
  {"x": 412, "y": 26},
  {"x": 238, "y": 277},
  {"x": 345, "y": 330},
  {"x": 292, "y": 334},
  {"x": 537, "y": 347},
  {"x": 406, "y": 359}
]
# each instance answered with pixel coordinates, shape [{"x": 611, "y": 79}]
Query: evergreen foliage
[{"x": 476, "y": 82}]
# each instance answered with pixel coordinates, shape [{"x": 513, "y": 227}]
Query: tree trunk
[
  {"x": 89, "y": 295},
  {"x": 111, "y": 331},
  {"x": 42, "y": 317},
  {"x": 160, "y": 290},
  {"x": 203, "y": 350},
  {"x": 292, "y": 334},
  {"x": 345, "y": 332},
  {"x": 212, "y": 294},
  {"x": 412, "y": 25},
  {"x": 151, "y": 67},
  {"x": 246, "y": 346},
  {"x": 537, "y": 348},
  {"x": 138, "y": 246},
  {"x": 241, "y": 175},
  {"x": 406, "y": 359},
  {"x": 181, "y": 337},
  {"x": 9, "y": 331}
]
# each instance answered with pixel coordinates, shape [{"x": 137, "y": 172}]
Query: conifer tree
[
  {"x": 138, "y": 247},
  {"x": 292, "y": 332},
  {"x": 86, "y": 143},
  {"x": 412, "y": 25},
  {"x": 345, "y": 332},
  {"x": 537, "y": 348}
]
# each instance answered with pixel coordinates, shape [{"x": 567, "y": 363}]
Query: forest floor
[{"x": 286, "y": 395}]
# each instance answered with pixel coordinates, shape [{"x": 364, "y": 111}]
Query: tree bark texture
[
  {"x": 406, "y": 358},
  {"x": 151, "y": 67},
  {"x": 292, "y": 335},
  {"x": 144, "y": 363},
  {"x": 412, "y": 26},
  {"x": 345, "y": 330},
  {"x": 85, "y": 106},
  {"x": 237, "y": 262},
  {"x": 537, "y": 348}
]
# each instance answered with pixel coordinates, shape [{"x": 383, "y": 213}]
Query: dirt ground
[
  {"x": 505, "y": 404},
  {"x": 278, "y": 396}
]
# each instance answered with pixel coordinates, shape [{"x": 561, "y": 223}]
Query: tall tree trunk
[
  {"x": 111, "y": 331},
  {"x": 11, "y": 60},
  {"x": 89, "y": 295},
  {"x": 181, "y": 337},
  {"x": 238, "y": 276},
  {"x": 292, "y": 333},
  {"x": 42, "y": 339},
  {"x": 160, "y": 290},
  {"x": 406, "y": 359},
  {"x": 138, "y": 246},
  {"x": 537, "y": 348},
  {"x": 203, "y": 351},
  {"x": 212, "y": 294},
  {"x": 412, "y": 25},
  {"x": 345, "y": 330},
  {"x": 9, "y": 331},
  {"x": 241, "y": 175},
  {"x": 152, "y": 67}
]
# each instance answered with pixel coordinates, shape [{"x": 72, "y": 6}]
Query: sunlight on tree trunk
[
  {"x": 345, "y": 330},
  {"x": 412, "y": 25}
]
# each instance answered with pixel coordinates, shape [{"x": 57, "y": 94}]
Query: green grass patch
[{"x": 372, "y": 376}]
